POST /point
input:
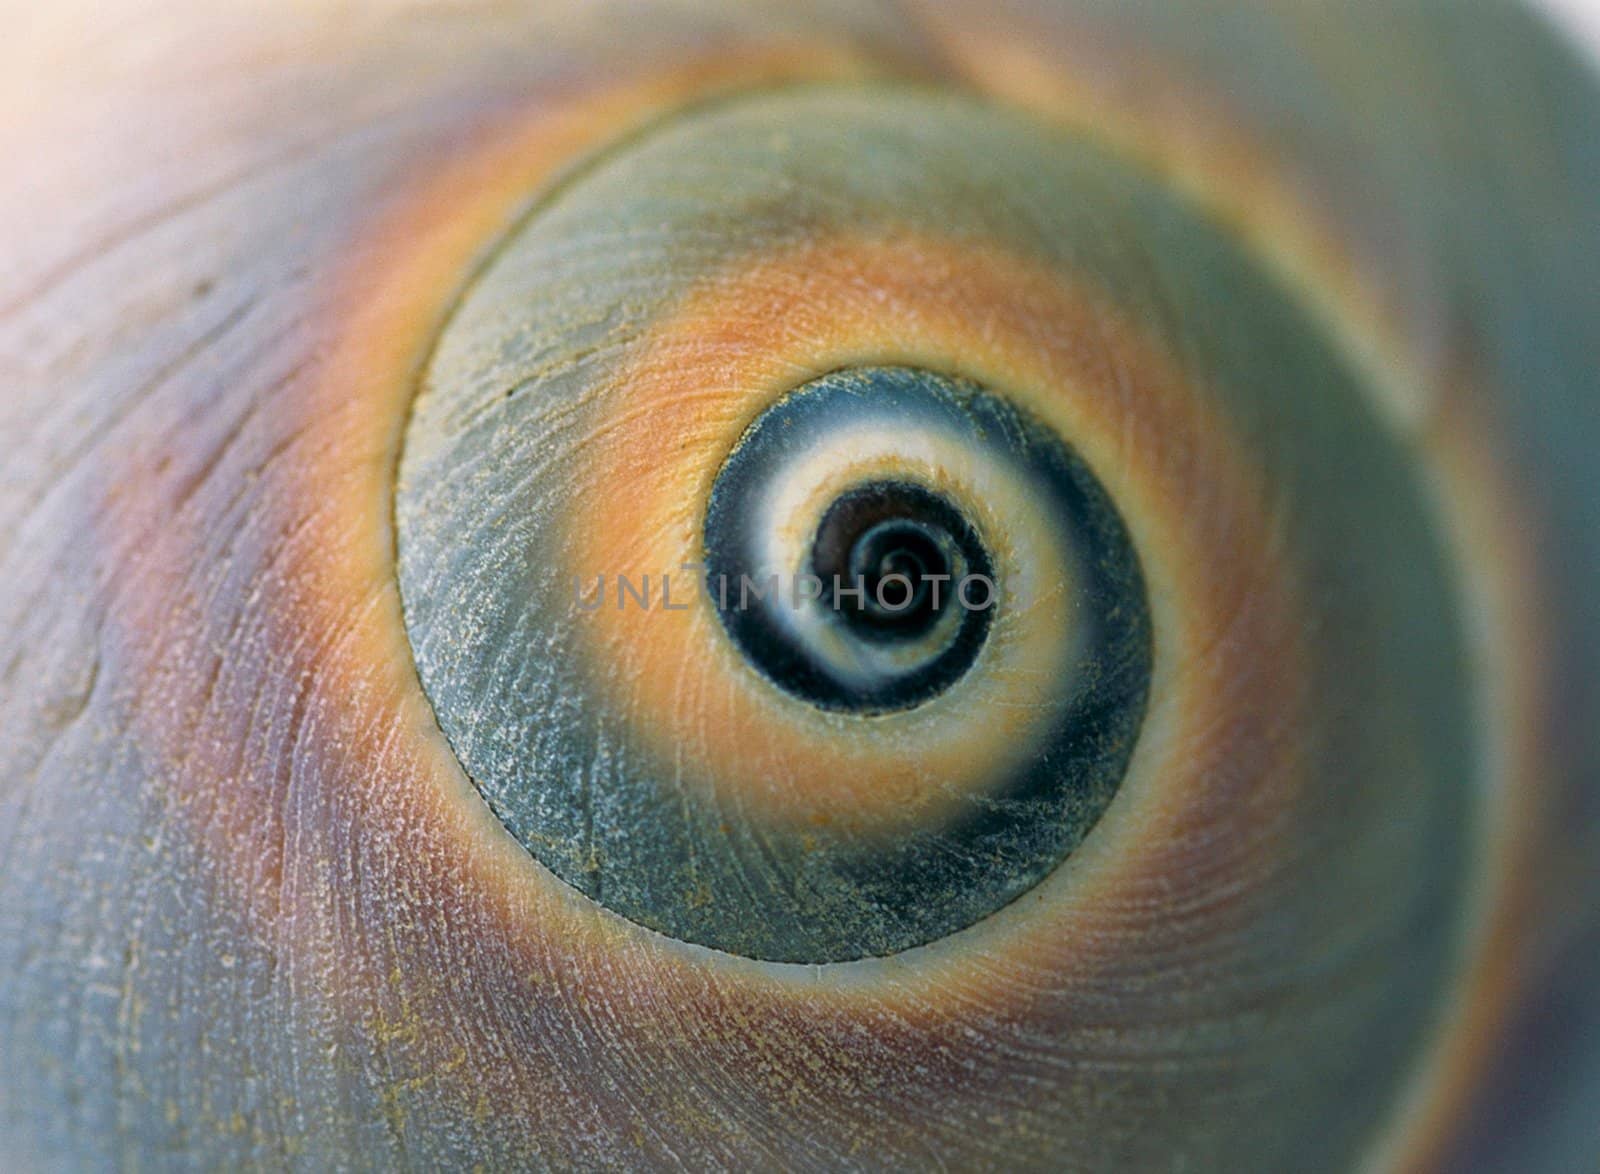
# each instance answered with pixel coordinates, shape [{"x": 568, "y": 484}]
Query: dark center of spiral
[
  {"x": 899, "y": 566},
  {"x": 888, "y": 555}
]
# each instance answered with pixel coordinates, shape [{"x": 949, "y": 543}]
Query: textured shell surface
[{"x": 817, "y": 584}]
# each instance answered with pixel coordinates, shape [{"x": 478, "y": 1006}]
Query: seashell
[{"x": 823, "y": 585}]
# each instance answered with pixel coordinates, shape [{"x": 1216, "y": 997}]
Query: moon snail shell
[{"x": 830, "y": 584}]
